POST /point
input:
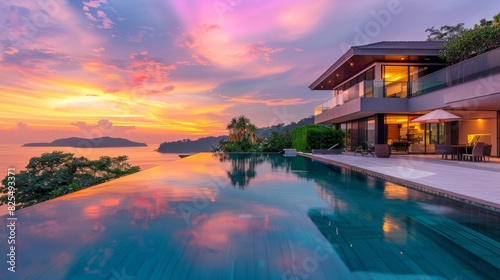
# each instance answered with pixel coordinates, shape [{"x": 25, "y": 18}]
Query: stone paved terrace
[{"x": 472, "y": 182}]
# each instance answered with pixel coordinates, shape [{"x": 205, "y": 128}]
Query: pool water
[{"x": 253, "y": 217}]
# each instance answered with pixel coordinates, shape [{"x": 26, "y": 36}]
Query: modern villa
[{"x": 379, "y": 89}]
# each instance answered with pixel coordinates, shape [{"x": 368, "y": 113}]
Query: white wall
[{"x": 485, "y": 125}]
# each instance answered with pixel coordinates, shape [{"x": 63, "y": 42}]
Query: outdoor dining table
[{"x": 462, "y": 149}]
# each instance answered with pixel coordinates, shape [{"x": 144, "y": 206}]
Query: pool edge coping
[{"x": 483, "y": 204}]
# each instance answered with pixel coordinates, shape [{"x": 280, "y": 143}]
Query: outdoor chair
[
  {"x": 383, "y": 150},
  {"x": 487, "y": 152},
  {"x": 477, "y": 152},
  {"x": 370, "y": 151},
  {"x": 359, "y": 150},
  {"x": 445, "y": 150}
]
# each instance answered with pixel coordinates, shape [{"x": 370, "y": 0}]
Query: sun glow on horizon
[{"x": 174, "y": 69}]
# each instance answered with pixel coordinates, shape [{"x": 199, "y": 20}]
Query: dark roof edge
[
  {"x": 343, "y": 59},
  {"x": 376, "y": 49}
]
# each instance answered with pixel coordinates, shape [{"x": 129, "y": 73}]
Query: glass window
[
  {"x": 370, "y": 131},
  {"x": 395, "y": 81},
  {"x": 395, "y": 73},
  {"x": 368, "y": 75}
]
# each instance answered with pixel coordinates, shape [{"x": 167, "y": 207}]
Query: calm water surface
[
  {"x": 15, "y": 156},
  {"x": 253, "y": 217}
]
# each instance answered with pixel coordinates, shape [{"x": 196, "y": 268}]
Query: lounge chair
[
  {"x": 329, "y": 151},
  {"x": 383, "y": 150},
  {"x": 477, "y": 152},
  {"x": 333, "y": 147}
]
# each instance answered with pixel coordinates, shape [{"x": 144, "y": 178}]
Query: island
[
  {"x": 101, "y": 142},
  {"x": 204, "y": 144}
]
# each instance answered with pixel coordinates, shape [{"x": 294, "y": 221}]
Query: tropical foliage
[
  {"x": 54, "y": 174},
  {"x": 464, "y": 43},
  {"x": 445, "y": 33},
  {"x": 277, "y": 142},
  {"x": 309, "y": 137},
  {"x": 241, "y": 136}
]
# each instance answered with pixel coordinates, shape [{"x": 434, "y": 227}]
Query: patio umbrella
[{"x": 437, "y": 116}]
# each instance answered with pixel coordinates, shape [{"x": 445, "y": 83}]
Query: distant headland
[{"x": 101, "y": 142}]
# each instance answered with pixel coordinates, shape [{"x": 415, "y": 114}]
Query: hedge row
[{"x": 309, "y": 137}]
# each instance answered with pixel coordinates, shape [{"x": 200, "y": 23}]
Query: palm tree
[
  {"x": 241, "y": 127},
  {"x": 251, "y": 128},
  {"x": 231, "y": 127},
  {"x": 241, "y": 130}
]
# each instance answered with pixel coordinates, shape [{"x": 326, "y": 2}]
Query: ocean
[{"x": 15, "y": 156}]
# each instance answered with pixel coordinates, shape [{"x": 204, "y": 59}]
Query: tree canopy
[
  {"x": 462, "y": 43},
  {"x": 242, "y": 136},
  {"x": 54, "y": 174},
  {"x": 445, "y": 32}
]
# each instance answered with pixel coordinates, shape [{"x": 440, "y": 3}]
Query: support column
[{"x": 380, "y": 129}]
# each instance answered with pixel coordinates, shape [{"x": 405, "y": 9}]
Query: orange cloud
[{"x": 271, "y": 102}]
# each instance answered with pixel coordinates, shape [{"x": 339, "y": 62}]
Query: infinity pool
[{"x": 253, "y": 217}]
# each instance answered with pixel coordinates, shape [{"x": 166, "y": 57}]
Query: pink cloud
[
  {"x": 194, "y": 38},
  {"x": 211, "y": 27},
  {"x": 94, "y": 3},
  {"x": 104, "y": 126},
  {"x": 200, "y": 59},
  {"x": 91, "y": 17},
  {"x": 148, "y": 74},
  {"x": 259, "y": 49},
  {"x": 22, "y": 126},
  {"x": 183, "y": 62},
  {"x": 105, "y": 20},
  {"x": 11, "y": 51},
  {"x": 166, "y": 89},
  {"x": 137, "y": 38},
  {"x": 98, "y": 51}
]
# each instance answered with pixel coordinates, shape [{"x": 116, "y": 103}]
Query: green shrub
[
  {"x": 54, "y": 174},
  {"x": 277, "y": 142},
  {"x": 309, "y": 137}
]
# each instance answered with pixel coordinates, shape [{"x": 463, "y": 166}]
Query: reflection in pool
[{"x": 253, "y": 217}]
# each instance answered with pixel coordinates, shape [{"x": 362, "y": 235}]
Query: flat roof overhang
[
  {"x": 358, "y": 58},
  {"x": 361, "y": 108}
]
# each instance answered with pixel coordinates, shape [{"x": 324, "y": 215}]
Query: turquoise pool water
[{"x": 253, "y": 217}]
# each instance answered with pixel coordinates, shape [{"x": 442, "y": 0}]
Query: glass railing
[
  {"x": 470, "y": 69},
  {"x": 366, "y": 89},
  {"x": 323, "y": 107}
]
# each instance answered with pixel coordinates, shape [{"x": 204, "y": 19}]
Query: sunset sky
[{"x": 154, "y": 71}]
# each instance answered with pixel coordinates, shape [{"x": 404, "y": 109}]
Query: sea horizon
[{"x": 16, "y": 156}]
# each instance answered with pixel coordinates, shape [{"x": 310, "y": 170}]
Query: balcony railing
[
  {"x": 367, "y": 89},
  {"x": 470, "y": 69}
]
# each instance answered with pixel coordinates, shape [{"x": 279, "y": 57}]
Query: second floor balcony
[
  {"x": 376, "y": 96},
  {"x": 364, "y": 89}
]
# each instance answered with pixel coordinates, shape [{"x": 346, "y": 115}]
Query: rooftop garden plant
[{"x": 462, "y": 43}]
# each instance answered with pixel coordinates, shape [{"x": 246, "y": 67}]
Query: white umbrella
[{"x": 437, "y": 116}]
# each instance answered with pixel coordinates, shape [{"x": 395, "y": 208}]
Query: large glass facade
[
  {"x": 359, "y": 133},
  {"x": 407, "y": 136},
  {"x": 397, "y": 78},
  {"x": 403, "y": 134}
]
